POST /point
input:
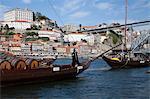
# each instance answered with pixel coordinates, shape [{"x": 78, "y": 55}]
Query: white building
[
  {"x": 19, "y": 15},
  {"x": 37, "y": 47},
  {"x": 18, "y": 25},
  {"x": 2, "y": 38},
  {"x": 18, "y": 18},
  {"x": 61, "y": 49},
  {"x": 52, "y": 35},
  {"x": 74, "y": 37},
  {"x": 26, "y": 48}
]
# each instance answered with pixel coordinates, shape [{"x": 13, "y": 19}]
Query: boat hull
[
  {"x": 115, "y": 64},
  {"x": 15, "y": 77}
]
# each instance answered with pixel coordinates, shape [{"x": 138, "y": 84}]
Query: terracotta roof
[{"x": 15, "y": 45}]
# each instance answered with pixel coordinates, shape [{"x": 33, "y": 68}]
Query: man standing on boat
[{"x": 75, "y": 60}]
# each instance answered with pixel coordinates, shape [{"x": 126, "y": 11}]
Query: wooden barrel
[
  {"x": 18, "y": 63},
  {"x": 4, "y": 64},
  {"x": 32, "y": 63}
]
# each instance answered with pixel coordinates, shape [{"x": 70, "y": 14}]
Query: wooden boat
[
  {"x": 43, "y": 73},
  {"x": 125, "y": 60},
  {"x": 117, "y": 63}
]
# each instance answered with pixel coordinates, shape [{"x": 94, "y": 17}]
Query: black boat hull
[{"x": 115, "y": 64}]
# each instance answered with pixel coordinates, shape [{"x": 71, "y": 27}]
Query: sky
[{"x": 85, "y": 12}]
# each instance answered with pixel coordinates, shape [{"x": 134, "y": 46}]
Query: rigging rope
[
  {"x": 53, "y": 8},
  {"x": 125, "y": 63}
]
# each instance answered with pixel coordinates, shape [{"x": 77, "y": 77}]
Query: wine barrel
[
  {"x": 18, "y": 63},
  {"x": 4, "y": 64},
  {"x": 32, "y": 63}
]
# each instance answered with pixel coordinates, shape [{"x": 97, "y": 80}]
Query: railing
[{"x": 145, "y": 35}]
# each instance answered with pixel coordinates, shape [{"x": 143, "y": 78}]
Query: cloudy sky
[{"x": 86, "y": 12}]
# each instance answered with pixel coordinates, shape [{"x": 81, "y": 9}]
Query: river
[{"x": 98, "y": 82}]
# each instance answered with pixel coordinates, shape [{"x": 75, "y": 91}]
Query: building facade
[
  {"x": 77, "y": 37},
  {"x": 70, "y": 27},
  {"x": 19, "y": 15},
  {"x": 52, "y": 35},
  {"x": 17, "y": 25}
]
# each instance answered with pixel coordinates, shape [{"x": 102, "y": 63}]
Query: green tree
[
  {"x": 115, "y": 37},
  {"x": 31, "y": 39},
  {"x": 10, "y": 33},
  {"x": 44, "y": 38},
  {"x": 43, "y": 18},
  {"x": 6, "y": 27},
  {"x": 34, "y": 16},
  {"x": 37, "y": 15},
  {"x": 1, "y": 28},
  {"x": 39, "y": 27},
  {"x": 34, "y": 27},
  {"x": 31, "y": 34}
]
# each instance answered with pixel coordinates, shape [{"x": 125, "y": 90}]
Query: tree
[
  {"x": 37, "y": 15},
  {"x": 39, "y": 27},
  {"x": 11, "y": 28},
  {"x": 1, "y": 28},
  {"x": 43, "y": 17},
  {"x": 80, "y": 25},
  {"x": 83, "y": 40},
  {"x": 99, "y": 25},
  {"x": 6, "y": 28},
  {"x": 10, "y": 33},
  {"x": 44, "y": 38},
  {"x": 56, "y": 25},
  {"x": 115, "y": 37},
  {"x": 34, "y": 27},
  {"x": 31, "y": 34},
  {"x": 74, "y": 43},
  {"x": 34, "y": 16}
]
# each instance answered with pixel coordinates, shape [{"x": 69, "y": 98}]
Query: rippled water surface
[{"x": 98, "y": 82}]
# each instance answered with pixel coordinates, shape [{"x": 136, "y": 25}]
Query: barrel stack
[
  {"x": 9, "y": 61},
  {"x": 31, "y": 63},
  {"x": 18, "y": 63}
]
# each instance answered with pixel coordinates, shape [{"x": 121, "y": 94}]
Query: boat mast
[{"x": 126, "y": 16}]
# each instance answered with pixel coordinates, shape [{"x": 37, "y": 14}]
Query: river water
[{"x": 98, "y": 82}]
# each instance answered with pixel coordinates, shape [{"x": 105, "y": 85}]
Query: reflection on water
[{"x": 98, "y": 82}]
